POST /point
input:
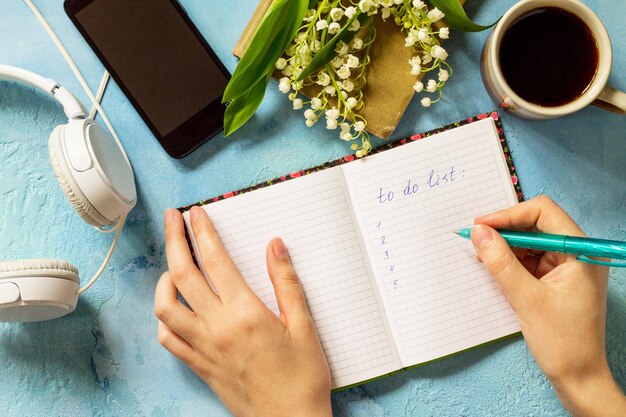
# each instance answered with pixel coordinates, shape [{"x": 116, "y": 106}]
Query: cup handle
[{"x": 612, "y": 100}]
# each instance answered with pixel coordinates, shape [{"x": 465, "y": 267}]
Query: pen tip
[{"x": 456, "y": 232}]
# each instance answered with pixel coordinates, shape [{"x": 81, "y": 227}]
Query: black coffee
[{"x": 549, "y": 57}]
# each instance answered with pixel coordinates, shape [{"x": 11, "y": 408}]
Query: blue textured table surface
[{"x": 104, "y": 359}]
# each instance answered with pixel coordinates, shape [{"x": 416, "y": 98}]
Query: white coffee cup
[{"x": 598, "y": 92}]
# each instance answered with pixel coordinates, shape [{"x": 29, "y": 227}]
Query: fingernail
[
  {"x": 481, "y": 236},
  {"x": 195, "y": 213},
  {"x": 280, "y": 250},
  {"x": 168, "y": 216}
]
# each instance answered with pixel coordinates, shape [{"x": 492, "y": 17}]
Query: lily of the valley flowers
[{"x": 341, "y": 81}]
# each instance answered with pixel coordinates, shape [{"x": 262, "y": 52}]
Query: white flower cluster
[
  {"x": 341, "y": 81},
  {"x": 415, "y": 18}
]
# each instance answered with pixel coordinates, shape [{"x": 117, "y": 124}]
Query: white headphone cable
[
  {"x": 100, "y": 94},
  {"x": 118, "y": 232},
  {"x": 96, "y": 108}
]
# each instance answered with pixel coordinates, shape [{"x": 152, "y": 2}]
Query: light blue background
[{"x": 104, "y": 360}]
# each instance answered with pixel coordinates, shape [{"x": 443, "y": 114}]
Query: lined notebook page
[
  {"x": 312, "y": 216},
  {"x": 408, "y": 201}
]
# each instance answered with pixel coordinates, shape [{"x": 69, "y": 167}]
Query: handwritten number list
[{"x": 384, "y": 243}]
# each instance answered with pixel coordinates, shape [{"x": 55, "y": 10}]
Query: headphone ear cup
[
  {"x": 69, "y": 186},
  {"x": 37, "y": 289}
]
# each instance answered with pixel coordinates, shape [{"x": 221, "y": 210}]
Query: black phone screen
[{"x": 162, "y": 63}]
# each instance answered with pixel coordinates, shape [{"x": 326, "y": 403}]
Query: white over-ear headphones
[{"x": 94, "y": 173}]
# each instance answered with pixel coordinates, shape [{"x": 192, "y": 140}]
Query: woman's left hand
[{"x": 257, "y": 363}]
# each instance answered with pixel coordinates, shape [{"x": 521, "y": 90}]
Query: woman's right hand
[{"x": 560, "y": 303}]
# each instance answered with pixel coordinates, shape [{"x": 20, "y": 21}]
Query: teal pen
[{"x": 584, "y": 247}]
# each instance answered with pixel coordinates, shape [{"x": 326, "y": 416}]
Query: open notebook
[{"x": 388, "y": 283}]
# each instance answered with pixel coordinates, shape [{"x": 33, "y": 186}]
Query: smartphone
[{"x": 163, "y": 64}]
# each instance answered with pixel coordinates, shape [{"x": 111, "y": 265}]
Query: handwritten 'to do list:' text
[{"x": 434, "y": 179}]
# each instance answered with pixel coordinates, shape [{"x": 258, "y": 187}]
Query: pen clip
[{"x": 588, "y": 260}]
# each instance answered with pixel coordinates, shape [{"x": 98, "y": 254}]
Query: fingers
[
  {"x": 171, "y": 312},
  {"x": 514, "y": 280},
  {"x": 548, "y": 262},
  {"x": 287, "y": 287},
  {"x": 175, "y": 344},
  {"x": 541, "y": 213},
  {"x": 520, "y": 253},
  {"x": 184, "y": 273},
  {"x": 530, "y": 262},
  {"x": 217, "y": 264}
]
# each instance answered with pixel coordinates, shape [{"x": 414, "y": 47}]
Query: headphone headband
[{"x": 71, "y": 106}]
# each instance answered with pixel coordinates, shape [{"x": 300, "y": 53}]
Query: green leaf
[
  {"x": 241, "y": 109},
  {"x": 275, "y": 32},
  {"x": 456, "y": 16},
  {"x": 312, "y": 3},
  {"x": 327, "y": 53}
]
